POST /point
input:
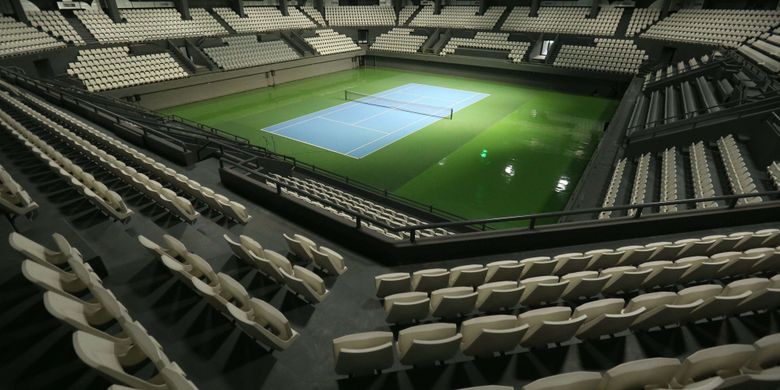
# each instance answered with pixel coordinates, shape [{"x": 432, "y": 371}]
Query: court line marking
[
  {"x": 354, "y": 125},
  {"x": 482, "y": 96},
  {"x": 320, "y": 113}
]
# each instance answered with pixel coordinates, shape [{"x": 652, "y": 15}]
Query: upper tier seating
[
  {"x": 19, "y": 38},
  {"x": 328, "y": 41},
  {"x": 489, "y": 40},
  {"x": 764, "y": 51},
  {"x": 150, "y": 24},
  {"x": 354, "y": 203},
  {"x": 399, "y": 40},
  {"x": 55, "y": 24},
  {"x": 564, "y": 20},
  {"x": 314, "y": 14},
  {"x": 727, "y": 27},
  {"x": 246, "y": 51},
  {"x": 458, "y": 17},
  {"x": 641, "y": 18},
  {"x": 108, "y": 202},
  {"x": 114, "y": 67},
  {"x": 13, "y": 198},
  {"x": 261, "y": 19},
  {"x": 729, "y": 366},
  {"x": 405, "y": 13},
  {"x": 360, "y": 15},
  {"x": 609, "y": 55}
]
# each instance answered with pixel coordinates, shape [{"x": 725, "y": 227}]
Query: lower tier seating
[
  {"x": 246, "y": 51},
  {"x": 13, "y": 198}
]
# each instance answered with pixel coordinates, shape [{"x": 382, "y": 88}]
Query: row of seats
[
  {"x": 306, "y": 250},
  {"x": 505, "y": 292},
  {"x": 774, "y": 173},
  {"x": 726, "y": 27},
  {"x": 399, "y": 40},
  {"x": 328, "y": 41},
  {"x": 614, "y": 188},
  {"x": 432, "y": 279},
  {"x": 764, "y": 51},
  {"x": 97, "y": 193},
  {"x": 55, "y": 24},
  {"x": 255, "y": 317},
  {"x": 703, "y": 186},
  {"x": 150, "y": 24},
  {"x": 608, "y": 55},
  {"x": 641, "y": 18},
  {"x": 564, "y": 20},
  {"x": 299, "y": 280},
  {"x": 680, "y": 68},
  {"x": 727, "y": 366},
  {"x": 669, "y": 179},
  {"x": 458, "y": 17},
  {"x": 13, "y": 198},
  {"x": 355, "y": 204},
  {"x": 639, "y": 189},
  {"x": 502, "y": 333},
  {"x": 114, "y": 67},
  {"x": 313, "y": 13},
  {"x": 360, "y": 15},
  {"x": 737, "y": 172},
  {"x": 144, "y": 169},
  {"x": 179, "y": 206},
  {"x": 75, "y": 295},
  {"x": 246, "y": 51},
  {"x": 489, "y": 40},
  {"x": 19, "y": 38},
  {"x": 262, "y": 19}
]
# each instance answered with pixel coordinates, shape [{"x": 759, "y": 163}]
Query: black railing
[{"x": 638, "y": 210}]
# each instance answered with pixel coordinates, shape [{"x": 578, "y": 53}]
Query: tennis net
[{"x": 417, "y": 108}]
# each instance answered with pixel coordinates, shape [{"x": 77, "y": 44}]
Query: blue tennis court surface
[{"x": 359, "y": 128}]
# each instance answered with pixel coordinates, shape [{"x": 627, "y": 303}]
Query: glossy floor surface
[{"x": 519, "y": 150}]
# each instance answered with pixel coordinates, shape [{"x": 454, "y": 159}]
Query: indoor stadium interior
[{"x": 389, "y": 194}]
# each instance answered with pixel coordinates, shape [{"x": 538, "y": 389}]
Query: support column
[
  {"x": 183, "y": 6},
  {"x": 534, "y": 8},
  {"x": 112, "y": 10},
  {"x": 238, "y": 7},
  {"x": 483, "y": 6},
  {"x": 16, "y": 6},
  {"x": 594, "y": 9},
  {"x": 283, "y": 7},
  {"x": 437, "y": 7},
  {"x": 665, "y": 8}
]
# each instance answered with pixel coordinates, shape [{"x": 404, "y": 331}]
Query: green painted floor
[{"x": 521, "y": 150}]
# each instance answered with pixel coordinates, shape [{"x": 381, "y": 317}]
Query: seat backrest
[
  {"x": 538, "y": 316},
  {"x": 767, "y": 353},
  {"x": 712, "y": 362},
  {"x": 602, "y": 306},
  {"x": 654, "y": 372},
  {"x": 267, "y": 315},
  {"x": 428, "y": 332}
]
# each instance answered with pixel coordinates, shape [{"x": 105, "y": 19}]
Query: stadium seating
[
  {"x": 354, "y": 203},
  {"x": 360, "y": 15},
  {"x": 405, "y": 14},
  {"x": 314, "y": 14},
  {"x": 19, "y": 38},
  {"x": 489, "y": 40},
  {"x": 13, "y": 198},
  {"x": 262, "y": 19},
  {"x": 609, "y": 55},
  {"x": 399, "y": 40},
  {"x": 55, "y": 24},
  {"x": 564, "y": 20},
  {"x": 150, "y": 24},
  {"x": 641, "y": 19},
  {"x": 328, "y": 41},
  {"x": 458, "y": 17},
  {"x": 723, "y": 366},
  {"x": 774, "y": 173},
  {"x": 116, "y": 353},
  {"x": 97, "y": 193},
  {"x": 115, "y": 67},
  {"x": 246, "y": 51},
  {"x": 764, "y": 51},
  {"x": 321, "y": 257},
  {"x": 725, "y": 27},
  {"x": 681, "y": 67}
]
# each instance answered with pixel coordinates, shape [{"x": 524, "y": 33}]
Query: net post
[
  {"x": 345, "y": 95},
  {"x": 451, "y": 111}
]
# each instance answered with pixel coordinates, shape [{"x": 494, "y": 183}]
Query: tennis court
[{"x": 367, "y": 123}]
